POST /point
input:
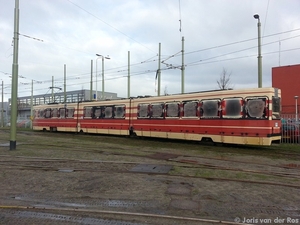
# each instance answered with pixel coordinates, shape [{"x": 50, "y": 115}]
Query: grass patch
[{"x": 37, "y": 140}]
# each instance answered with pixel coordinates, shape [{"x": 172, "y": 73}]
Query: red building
[{"x": 287, "y": 78}]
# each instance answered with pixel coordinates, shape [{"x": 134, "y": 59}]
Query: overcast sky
[{"x": 219, "y": 34}]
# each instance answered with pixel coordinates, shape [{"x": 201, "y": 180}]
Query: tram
[{"x": 247, "y": 117}]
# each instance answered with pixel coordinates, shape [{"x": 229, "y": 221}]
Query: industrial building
[
  {"x": 3, "y": 113},
  {"x": 287, "y": 78},
  {"x": 24, "y": 103}
]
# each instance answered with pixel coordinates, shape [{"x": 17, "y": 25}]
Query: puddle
[
  {"x": 184, "y": 204},
  {"x": 113, "y": 203},
  {"x": 178, "y": 190},
  {"x": 7, "y": 144},
  {"x": 66, "y": 170},
  {"x": 4, "y": 145},
  {"x": 164, "y": 156}
]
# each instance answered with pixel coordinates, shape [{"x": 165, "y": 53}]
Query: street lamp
[
  {"x": 296, "y": 99},
  {"x": 256, "y": 16},
  {"x": 103, "y": 57},
  {"x": 96, "y": 95}
]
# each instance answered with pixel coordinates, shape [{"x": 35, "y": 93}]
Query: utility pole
[
  {"x": 102, "y": 57},
  {"x": 52, "y": 91},
  {"x": 91, "y": 86},
  {"x": 182, "y": 68},
  {"x": 2, "y": 108},
  {"x": 259, "y": 57},
  {"x": 128, "y": 78},
  {"x": 31, "y": 105},
  {"x": 158, "y": 71},
  {"x": 103, "y": 78},
  {"x": 65, "y": 87},
  {"x": 14, "y": 86}
]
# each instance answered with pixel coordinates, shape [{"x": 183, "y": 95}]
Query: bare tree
[{"x": 224, "y": 81}]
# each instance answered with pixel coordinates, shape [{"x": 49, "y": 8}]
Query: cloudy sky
[{"x": 219, "y": 34}]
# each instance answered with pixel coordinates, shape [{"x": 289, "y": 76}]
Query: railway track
[
  {"x": 127, "y": 177},
  {"x": 51, "y": 213},
  {"x": 95, "y": 166}
]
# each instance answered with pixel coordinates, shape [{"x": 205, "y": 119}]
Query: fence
[{"x": 290, "y": 129}]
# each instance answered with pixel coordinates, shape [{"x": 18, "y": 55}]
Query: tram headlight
[{"x": 276, "y": 124}]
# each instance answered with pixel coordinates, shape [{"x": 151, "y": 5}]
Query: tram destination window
[{"x": 256, "y": 108}]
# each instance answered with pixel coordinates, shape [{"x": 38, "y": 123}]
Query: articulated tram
[{"x": 248, "y": 116}]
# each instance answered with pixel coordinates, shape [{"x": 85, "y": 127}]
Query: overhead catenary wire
[
  {"x": 241, "y": 50},
  {"x": 192, "y": 63},
  {"x": 242, "y": 41},
  {"x": 152, "y": 71},
  {"x": 200, "y": 50},
  {"x": 27, "y": 36},
  {"x": 152, "y": 59},
  {"x": 121, "y": 32},
  {"x": 201, "y": 62},
  {"x": 265, "y": 23}
]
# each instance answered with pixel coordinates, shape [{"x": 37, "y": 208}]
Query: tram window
[
  {"x": 54, "y": 112},
  {"x": 48, "y": 113},
  {"x": 190, "y": 109},
  {"x": 157, "y": 110},
  {"x": 96, "y": 112},
  {"x": 119, "y": 111},
  {"x": 209, "y": 108},
  {"x": 41, "y": 113},
  {"x": 87, "y": 112},
  {"x": 143, "y": 110},
  {"x": 173, "y": 109},
  {"x": 256, "y": 108},
  {"x": 107, "y": 112},
  {"x": 276, "y": 108},
  {"x": 232, "y": 108},
  {"x": 70, "y": 112},
  {"x": 62, "y": 113}
]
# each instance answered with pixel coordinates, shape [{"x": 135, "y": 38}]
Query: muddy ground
[{"x": 61, "y": 178}]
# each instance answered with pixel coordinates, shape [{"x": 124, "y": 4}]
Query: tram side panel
[
  {"x": 237, "y": 120},
  {"x": 105, "y": 117},
  {"x": 239, "y": 117},
  {"x": 55, "y": 117}
]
